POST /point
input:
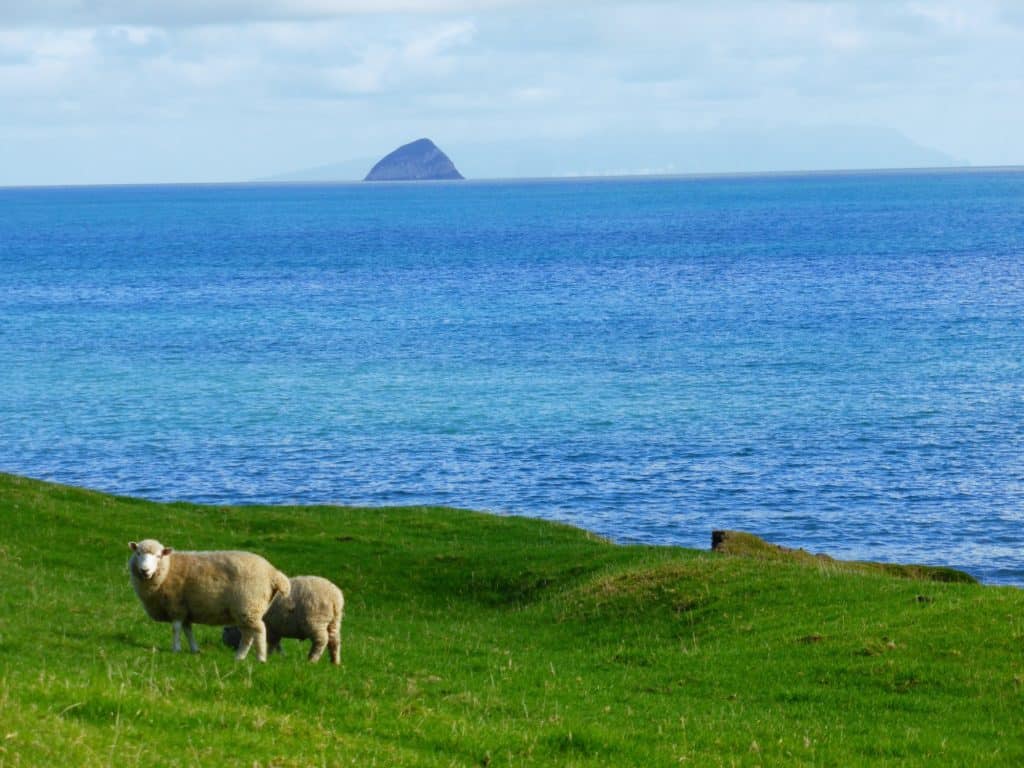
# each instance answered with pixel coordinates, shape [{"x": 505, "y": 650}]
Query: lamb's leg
[
  {"x": 334, "y": 642},
  {"x": 176, "y": 636},
  {"x": 192, "y": 644},
  {"x": 316, "y": 650}
]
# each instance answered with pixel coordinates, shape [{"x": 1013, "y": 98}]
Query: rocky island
[{"x": 420, "y": 160}]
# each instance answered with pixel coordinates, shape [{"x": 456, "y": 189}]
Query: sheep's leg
[
  {"x": 254, "y": 632},
  {"x": 192, "y": 644},
  {"x": 253, "y": 636},
  {"x": 334, "y": 642},
  {"x": 176, "y": 636},
  {"x": 316, "y": 650},
  {"x": 244, "y": 644},
  {"x": 261, "y": 641}
]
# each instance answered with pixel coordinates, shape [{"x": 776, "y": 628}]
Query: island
[{"x": 420, "y": 160}]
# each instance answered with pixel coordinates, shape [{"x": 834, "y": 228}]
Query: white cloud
[
  {"x": 366, "y": 76},
  {"x": 426, "y": 55},
  {"x": 309, "y": 82},
  {"x": 438, "y": 41},
  {"x": 73, "y": 13}
]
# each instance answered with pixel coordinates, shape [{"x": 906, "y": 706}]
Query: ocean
[{"x": 831, "y": 361}]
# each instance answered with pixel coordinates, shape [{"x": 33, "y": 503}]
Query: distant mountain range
[
  {"x": 347, "y": 170},
  {"x": 724, "y": 150}
]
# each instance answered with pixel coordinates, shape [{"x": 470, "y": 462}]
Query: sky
[{"x": 152, "y": 91}]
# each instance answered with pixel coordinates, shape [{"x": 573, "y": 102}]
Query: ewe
[{"x": 189, "y": 588}]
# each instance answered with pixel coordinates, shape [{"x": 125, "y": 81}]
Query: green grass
[{"x": 478, "y": 640}]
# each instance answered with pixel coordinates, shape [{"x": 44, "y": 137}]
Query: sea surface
[{"x": 832, "y": 361}]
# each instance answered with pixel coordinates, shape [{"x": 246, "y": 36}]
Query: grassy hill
[{"x": 479, "y": 640}]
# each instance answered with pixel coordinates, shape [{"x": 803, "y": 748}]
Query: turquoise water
[{"x": 831, "y": 361}]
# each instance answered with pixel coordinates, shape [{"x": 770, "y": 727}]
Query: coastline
[{"x": 479, "y": 639}]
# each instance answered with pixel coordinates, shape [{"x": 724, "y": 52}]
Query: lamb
[
  {"x": 312, "y": 610},
  {"x": 206, "y": 588}
]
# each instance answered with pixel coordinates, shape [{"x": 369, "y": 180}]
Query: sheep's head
[{"x": 146, "y": 557}]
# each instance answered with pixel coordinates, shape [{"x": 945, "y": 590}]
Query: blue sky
[{"x": 115, "y": 91}]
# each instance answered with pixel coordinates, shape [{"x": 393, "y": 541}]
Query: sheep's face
[{"x": 146, "y": 557}]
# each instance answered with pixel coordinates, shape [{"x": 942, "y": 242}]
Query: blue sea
[{"x": 832, "y": 361}]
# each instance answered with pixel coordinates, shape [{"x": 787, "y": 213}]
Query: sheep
[
  {"x": 312, "y": 610},
  {"x": 206, "y": 588}
]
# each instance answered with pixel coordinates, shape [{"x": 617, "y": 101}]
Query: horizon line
[{"x": 694, "y": 176}]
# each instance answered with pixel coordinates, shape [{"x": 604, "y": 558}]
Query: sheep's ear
[
  {"x": 167, "y": 551},
  {"x": 132, "y": 546}
]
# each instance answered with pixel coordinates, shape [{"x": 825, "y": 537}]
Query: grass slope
[{"x": 478, "y": 640}]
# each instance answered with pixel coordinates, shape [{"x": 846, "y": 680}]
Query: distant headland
[{"x": 420, "y": 160}]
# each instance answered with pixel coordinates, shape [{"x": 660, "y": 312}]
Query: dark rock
[{"x": 420, "y": 160}]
